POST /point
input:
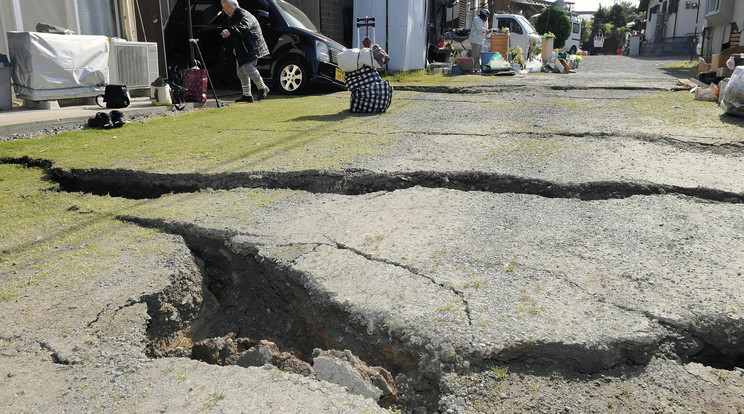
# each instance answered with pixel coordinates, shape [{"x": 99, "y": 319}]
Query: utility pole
[{"x": 694, "y": 38}]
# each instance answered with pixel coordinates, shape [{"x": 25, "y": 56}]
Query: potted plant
[
  {"x": 534, "y": 50},
  {"x": 547, "y": 45},
  {"x": 517, "y": 57}
]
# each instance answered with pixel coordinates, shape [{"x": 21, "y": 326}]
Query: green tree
[
  {"x": 613, "y": 22},
  {"x": 600, "y": 18},
  {"x": 617, "y": 16},
  {"x": 554, "y": 20},
  {"x": 586, "y": 32}
]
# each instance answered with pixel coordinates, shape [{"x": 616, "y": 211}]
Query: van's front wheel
[
  {"x": 292, "y": 77},
  {"x": 572, "y": 51}
]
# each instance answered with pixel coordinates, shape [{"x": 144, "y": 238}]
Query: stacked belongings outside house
[{"x": 368, "y": 92}]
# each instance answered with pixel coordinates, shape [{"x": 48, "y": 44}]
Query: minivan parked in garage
[{"x": 299, "y": 53}]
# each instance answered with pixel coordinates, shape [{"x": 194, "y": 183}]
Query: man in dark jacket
[{"x": 248, "y": 46}]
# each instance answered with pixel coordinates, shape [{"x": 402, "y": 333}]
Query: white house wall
[
  {"x": 720, "y": 34},
  {"x": 400, "y": 29},
  {"x": 372, "y": 8},
  {"x": 57, "y": 12},
  {"x": 680, "y": 25},
  {"x": 684, "y": 20}
]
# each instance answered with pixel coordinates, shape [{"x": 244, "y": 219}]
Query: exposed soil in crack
[
  {"x": 458, "y": 90},
  {"x": 143, "y": 185},
  {"x": 258, "y": 296},
  {"x": 261, "y": 298}
]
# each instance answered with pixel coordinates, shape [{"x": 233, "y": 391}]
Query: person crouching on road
[
  {"x": 478, "y": 32},
  {"x": 248, "y": 45}
]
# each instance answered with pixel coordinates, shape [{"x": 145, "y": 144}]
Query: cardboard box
[
  {"x": 704, "y": 67},
  {"x": 714, "y": 62},
  {"x": 719, "y": 60},
  {"x": 500, "y": 43}
]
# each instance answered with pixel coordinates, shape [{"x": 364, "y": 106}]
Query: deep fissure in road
[
  {"x": 259, "y": 297},
  {"x": 141, "y": 185}
]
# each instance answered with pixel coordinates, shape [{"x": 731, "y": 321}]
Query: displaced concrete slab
[{"x": 495, "y": 259}]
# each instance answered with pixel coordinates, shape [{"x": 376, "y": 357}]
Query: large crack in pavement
[
  {"x": 250, "y": 278},
  {"x": 262, "y": 294},
  {"x": 142, "y": 185}
]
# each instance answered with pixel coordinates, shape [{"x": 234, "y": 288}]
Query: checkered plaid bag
[
  {"x": 368, "y": 92},
  {"x": 372, "y": 98},
  {"x": 362, "y": 77}
]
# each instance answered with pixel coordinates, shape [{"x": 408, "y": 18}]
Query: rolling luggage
[{"x": 368, "y": 92}]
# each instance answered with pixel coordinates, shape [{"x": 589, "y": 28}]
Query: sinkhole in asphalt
[
  {"x": 252, "y": 297},
  {"x": 255, "y": 296}
]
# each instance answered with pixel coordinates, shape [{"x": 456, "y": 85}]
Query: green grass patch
[
  {"x": 413, "y": 76},
  {"x": 273, "y": 135},
  {"x": 685, "y": 67},
  {"x": 55, "y": 240},
  {"x": 679, "y": 110}
]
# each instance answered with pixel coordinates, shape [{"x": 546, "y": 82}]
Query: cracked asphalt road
[{"x": 625, "y": 297}]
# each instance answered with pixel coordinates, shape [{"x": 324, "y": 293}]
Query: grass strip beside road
[
  {"x": 312, "y": 132},
  {"x": 52, "y": 240}
]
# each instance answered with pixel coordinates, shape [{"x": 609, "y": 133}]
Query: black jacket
[{"x": 248, "y": 41}]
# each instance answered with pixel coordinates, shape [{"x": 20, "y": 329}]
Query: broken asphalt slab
[{"x": 574, "y": 269}]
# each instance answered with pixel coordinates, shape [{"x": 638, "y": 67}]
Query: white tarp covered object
[{"x": 50, "y": 66}]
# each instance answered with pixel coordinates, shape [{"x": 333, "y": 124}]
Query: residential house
[
  {"x": 671, "y": 26},
  {"x": 723, "y": 22}
]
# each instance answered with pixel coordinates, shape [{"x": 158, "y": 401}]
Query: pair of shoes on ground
[
  {"x": 262, "y": 93},
  {"x": 107, "y": 121}
]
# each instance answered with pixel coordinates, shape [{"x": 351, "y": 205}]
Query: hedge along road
[{"x": 562, "y": 228}]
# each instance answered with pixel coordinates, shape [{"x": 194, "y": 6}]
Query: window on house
[
  {"x": 98, "y": 19},
  {"x": 712, "y": 6}
]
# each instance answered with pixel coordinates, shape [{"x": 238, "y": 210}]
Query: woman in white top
[{"x": 478, "y": 32}]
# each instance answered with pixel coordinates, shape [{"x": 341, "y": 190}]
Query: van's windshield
[
  {"x": 295, "y": 17},
  {"x": 526, "y": 24}
]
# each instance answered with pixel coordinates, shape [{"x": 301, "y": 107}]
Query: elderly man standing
[{"x": 248, "y": 45}]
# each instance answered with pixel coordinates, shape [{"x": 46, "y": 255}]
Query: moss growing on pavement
[
  {"x": 52, "y": 240},
  {"x": 679, "y": 112}
]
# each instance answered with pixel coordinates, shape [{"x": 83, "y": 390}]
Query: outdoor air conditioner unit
[{"x": 134, "y": 64}]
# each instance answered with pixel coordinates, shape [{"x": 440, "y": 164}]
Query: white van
[
  {"x": 573, "y": 43},
  {"x": 520, "y": 30}
]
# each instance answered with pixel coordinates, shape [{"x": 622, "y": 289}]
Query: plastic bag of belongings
[
  {"x": 732, "y": 95},
  {"x": 368, "y": 92}
]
